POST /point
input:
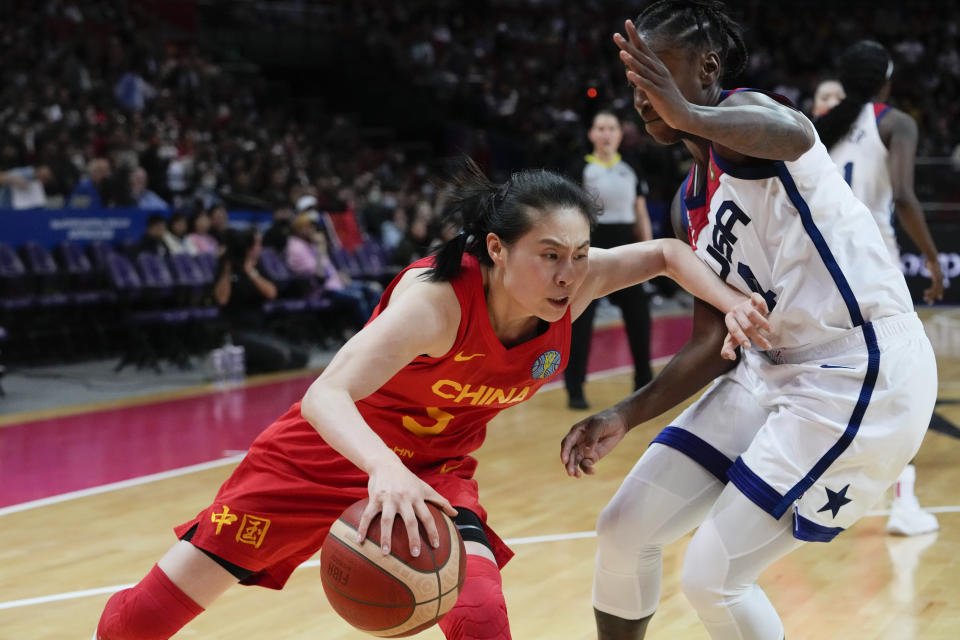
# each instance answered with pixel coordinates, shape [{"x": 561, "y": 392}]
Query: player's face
[
  {"x": 605, "y": 134},
  {"x": 684, "y": 65},
  {"x": 829, "y": 94},
  {"x": 544, "y": 268}
]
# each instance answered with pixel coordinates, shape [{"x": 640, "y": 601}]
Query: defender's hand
[{"x": 591, "y": 439}]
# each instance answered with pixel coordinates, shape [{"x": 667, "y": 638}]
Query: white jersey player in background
[
  {"x": 795, "y": 443},
  {"x": 873, "y": 145}
]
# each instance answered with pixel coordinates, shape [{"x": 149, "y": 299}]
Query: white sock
[{"x": 904, "y": 485}]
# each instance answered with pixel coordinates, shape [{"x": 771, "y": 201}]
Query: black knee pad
[{"x": 470, "y": 527}]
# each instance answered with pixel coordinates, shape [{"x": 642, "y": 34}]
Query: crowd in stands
[{"x": 103, "y": 103}]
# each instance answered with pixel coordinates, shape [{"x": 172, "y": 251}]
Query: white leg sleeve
[
  {"x": 735, "y": 543},
  {"x": 664, "y": 496}
]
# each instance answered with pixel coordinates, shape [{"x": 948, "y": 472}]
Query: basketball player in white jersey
[
  {"x": 874, "y": 145},
  {"x": 793, "y": 444}
]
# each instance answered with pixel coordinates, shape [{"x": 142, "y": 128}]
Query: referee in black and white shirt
[{"x": 623, "y": 219}]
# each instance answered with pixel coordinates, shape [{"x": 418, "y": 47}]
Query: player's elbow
[{"x": 800, "y": 139}]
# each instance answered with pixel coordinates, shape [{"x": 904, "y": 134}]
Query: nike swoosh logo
[
  {"x": 833, "y": 366},
  {"x": 462, "y": 358},
  {"x": 444, "y": 468}
]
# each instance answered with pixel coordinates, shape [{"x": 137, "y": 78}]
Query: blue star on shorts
[{"x": 835, "y": 500}]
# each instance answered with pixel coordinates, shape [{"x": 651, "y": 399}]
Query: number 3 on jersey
[
  {"x": 440, "y": 419},
  {"x": 721, "y": 249}
]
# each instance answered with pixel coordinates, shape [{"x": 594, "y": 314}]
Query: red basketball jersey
[
  {"x": 432, "y": 413},
  {"x": 436, "y": 409}
]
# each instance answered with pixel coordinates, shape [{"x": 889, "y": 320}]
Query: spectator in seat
[
  {"x": 176, "y": 235},
  {"x": 140, "y": 194},
  {"x": 240, "y": 290},
  {"x": 219, "y": 223},
  {"x": 276, "y": 236},
  {"x": 93, "y": 190},
  {"x": 199, "y": 238},
  {"x": 306, "y": 257},
  {"x": 153, "y": 239},
  {"x": 414, "y": 244},
  {"x": 21, "y": 179}
]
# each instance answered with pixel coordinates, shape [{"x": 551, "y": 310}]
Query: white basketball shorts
[{"x": 821, "y": 430}]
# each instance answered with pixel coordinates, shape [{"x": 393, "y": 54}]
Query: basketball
[{"x": 394, "y": 595}]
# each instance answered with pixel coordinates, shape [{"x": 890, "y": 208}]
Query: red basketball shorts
[{"x": 273, "y": 513}]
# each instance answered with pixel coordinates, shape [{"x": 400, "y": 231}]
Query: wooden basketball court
[{"x": 864, "y": 585}]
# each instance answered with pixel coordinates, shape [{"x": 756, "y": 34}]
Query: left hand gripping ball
[{"x": 394, "y": 595}]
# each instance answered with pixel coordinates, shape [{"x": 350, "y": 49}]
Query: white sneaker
[{"x": 908, "y": 519}]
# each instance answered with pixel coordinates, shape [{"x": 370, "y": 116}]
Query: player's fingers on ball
[
  {"x": 429, "y": 524},
  {"x": 387, "y": 517},
  {"x": 369, "y": 512},
  {"x": 410, "y": 523},
  {"x": 441, "y": 502}
]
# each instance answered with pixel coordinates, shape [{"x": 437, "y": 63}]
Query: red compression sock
[
  {"x": 153, "y": 609},
  {"x": 481, "y": 611}
]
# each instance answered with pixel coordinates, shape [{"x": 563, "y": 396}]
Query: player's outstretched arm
[
  {"x": 613, "y": 269},
  {"x": 697, "y": 363},
  {"x": 899, "y": 132},
  {"x": 749, "y": 124},
  {"x": 421, "y": 319}
]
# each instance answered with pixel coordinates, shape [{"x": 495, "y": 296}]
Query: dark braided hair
[
  {"x": 478, "y": 206},
  {"x": 863, "y": 69},
  {"x": 699, "y": 25}
]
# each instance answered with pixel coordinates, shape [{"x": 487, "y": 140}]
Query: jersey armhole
[{"x": 880, "y": 110}]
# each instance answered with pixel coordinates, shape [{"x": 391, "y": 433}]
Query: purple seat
[
  {"x": 84, "y": 282},
  {"x": 122, "y": 276},
  {"x": 208, "y": 264},
  {"x": 98, "y": 250},
  {"x": 14, "y": 281},
  {"x": 155, "y": 274},
  {"x": 343, "y": 260},
  {"x": 187, "y": 271},
  {"x": 39, "y": 260},
  {"x": 48, "y": 283},
  {"x": 194, "y": 283},
  {"x": 275, "y": 268},
  {"x": 73, "y": 259},
  {"x": 372, "y": 263}
]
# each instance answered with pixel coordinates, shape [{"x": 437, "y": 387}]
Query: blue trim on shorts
[
  {"x": 869, "y": 336},
  {"x": 699, "y": 450},
  {"x": 754, "y": 487},
  {"x": 810, "y": 531}
]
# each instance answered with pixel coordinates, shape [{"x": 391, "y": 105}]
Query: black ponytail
[
  {"x": 479, "y": 207},
  {"x": 863, "y": 70},
  {"x": 699, "y": 25}
]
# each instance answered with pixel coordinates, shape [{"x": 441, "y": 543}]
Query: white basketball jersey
[
  {"x": 862, "y": 158},
  {"x": 795, "y": 233}
]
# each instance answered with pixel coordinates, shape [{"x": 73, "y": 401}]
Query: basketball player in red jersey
[{"x": 456, "y": 338}]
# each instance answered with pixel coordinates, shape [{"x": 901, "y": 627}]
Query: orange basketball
[{"x": 394, "y": 595}]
